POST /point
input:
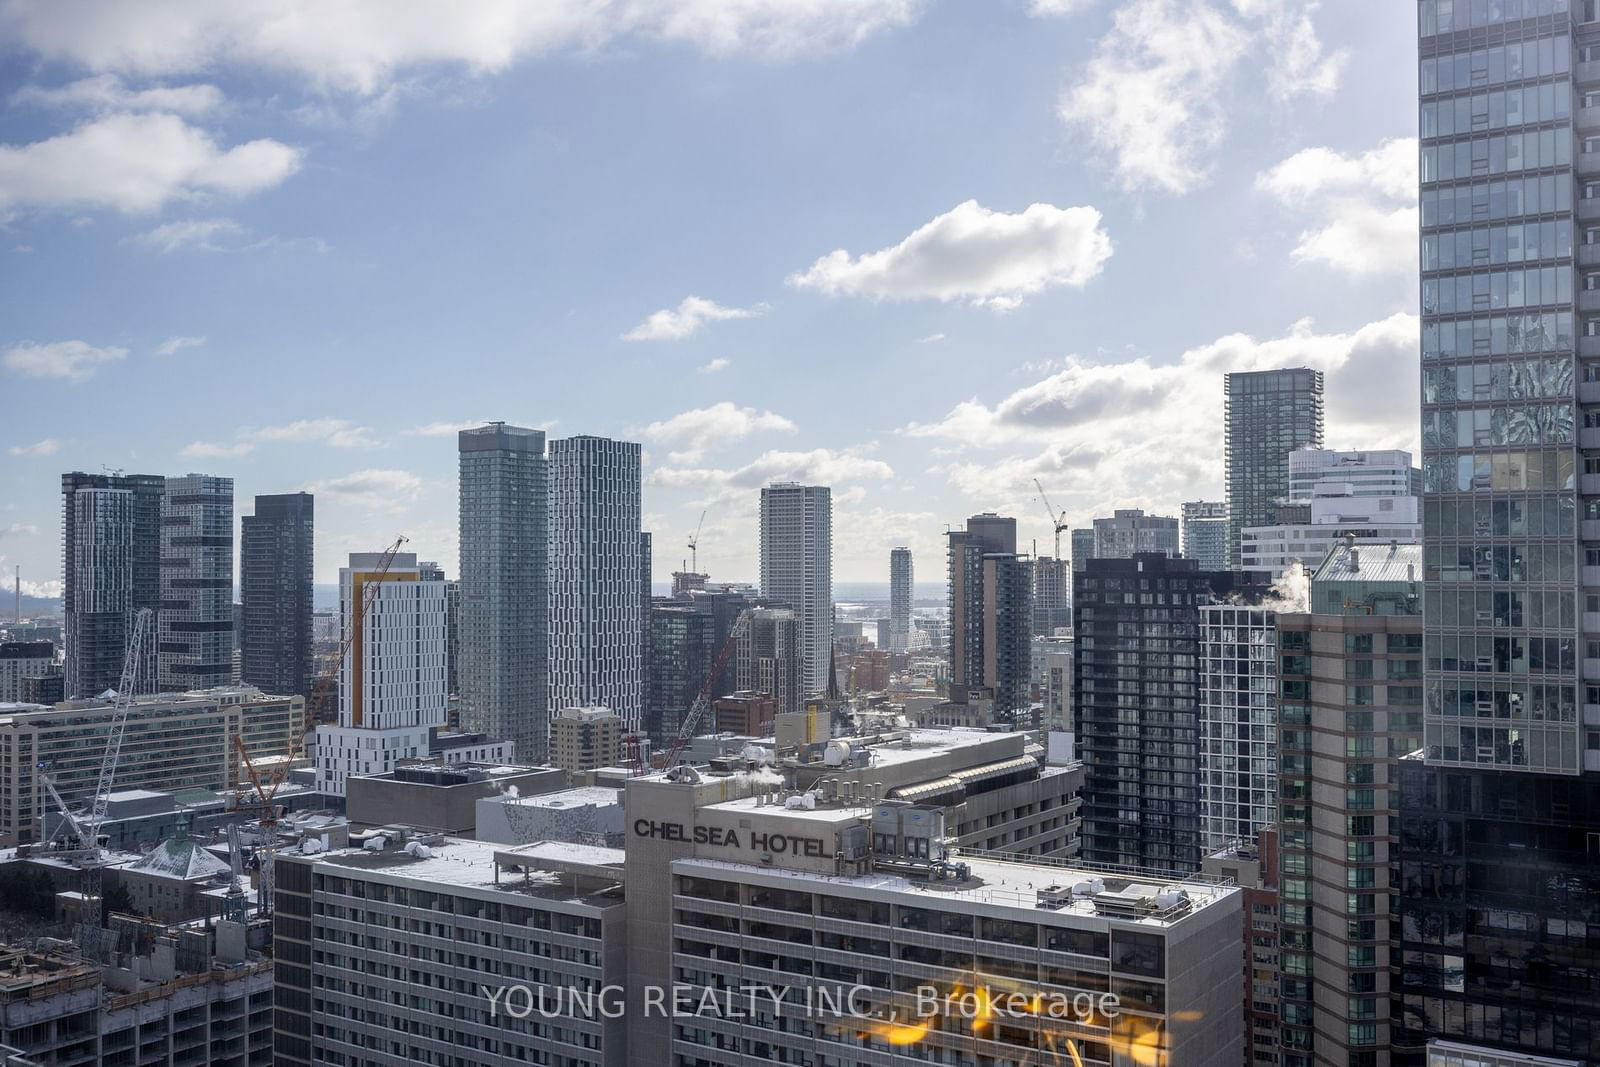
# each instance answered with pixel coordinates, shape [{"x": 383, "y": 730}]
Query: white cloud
[
  {"x": 1086, "y": 428},
  {"x": 173, "y": 345},
  {"x": 374, "y": 488},
  {"x": 48, "y": 447},
  {"x": 137, "y": 164},
  {"x": 106, "y": 92},
  {"x": 72, "y": 361},
  {"x": 19, "y": 529},
  {"x": 189, "y": 233},
  {"x": 216, "y": 450},
  {"x": 691, "y": 433},
  {"x": 363, "y": 45},
  {"x": 1361, "y": 207},
  {"x": 1055, "y": 8},
  {"x": 335, "y": 433},
  {"x": 712, "y": 366},
  {"x": 1154, "y": 96},
  {"x": 50, "y": 590},
  {"x": 685, "y": 320},
  {"x": 820, "y": 466},
  {"x": 932, "y": 338},
  {"x": 450, "y": 429},
  {"x": 973, "y": 253}
]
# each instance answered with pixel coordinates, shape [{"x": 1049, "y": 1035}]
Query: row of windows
[
  {"x": 1499, "y": 335},
  {"x": 1496, "y": 290},
  {"x": 1535, "y": 469},
  {"x": 1482, "y": 156},
  {"x": 1535, "y": 58},
  {"x": 1514, "y": 425},
  {"x": 1497, "y": 110},
  {"x": 1499, "y": 563},
  {"x": 1490, "y": 246}
]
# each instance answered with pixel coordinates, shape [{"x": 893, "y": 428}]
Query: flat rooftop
[
  {"x": 576, "y": 797},
  {"x": 1005, "y": 884},
  {"x": 922, "y": 743},
  {"x": 839, "y": 812},
  {"x": 466, "y": 864}
]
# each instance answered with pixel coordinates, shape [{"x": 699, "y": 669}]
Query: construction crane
[
  {"x": 694, "y": 545},
  {"x": 86, "y": 828},
  {"x": 1057, "y": 519},
  {"x": 702, "y": 700},
  {"x": 266, "y": 785}
]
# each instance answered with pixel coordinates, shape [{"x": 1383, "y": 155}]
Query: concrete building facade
[
  {"x": 392, "y": 684},
  {"x": 1130, "y": 531},
  {"x": 797, "y": 570},
  {"x": 901, "y": 586},
  {"x": 585, "y": 739}
]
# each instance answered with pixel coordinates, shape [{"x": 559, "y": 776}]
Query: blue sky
[{"x": 923, "y": 251}]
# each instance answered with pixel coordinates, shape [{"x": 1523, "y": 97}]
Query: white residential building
[
  {"x": 900, "y": 597},
  {"x": 392, "y": 683},
  {"x": 1205, "y": 533},
  {"x": 1371, "y": 497},
  {"x": 797, "y": 569},
  {"x": 1238, "y": 723},
  {"x": 596, "y": 573},
  {"x": 1313, "y": 472}
]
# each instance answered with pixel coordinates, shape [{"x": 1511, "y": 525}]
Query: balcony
[
  {"x": 1587, "y": 72},
  {"x": 1589, "y": 210},
  {"x": 1591, "y": 670},
  {"x": 1588, "y": 346},
  {"x": 1588, "y": 392},
  {"x": 1591, "y": 622},
  {"x": 1588, "y": 163},
  {"x": 1590, "y": 530},
  {"x": 1591, "y": 577},
  {"x": 1589, "y": 255},
  {"x": 1589, "y": 299},
  {"x": 1589, "y": 436},
  {"x": 1589, "y": 484},
  {"x": 1588, "y": 118}
]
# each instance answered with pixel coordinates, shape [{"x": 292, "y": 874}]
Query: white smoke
[
  {"x": 760, "y": 777},
  {"x": 510, "y": 791},
  {"x": 1291, "y": 592},
  {"x": 756, "y": 754}
]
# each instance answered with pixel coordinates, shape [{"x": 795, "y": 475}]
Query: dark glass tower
[
  {"x": 1136, "y": 705},
  {"x": 990, "y": 598},
  {"x": 1498, "y": 901},
  {"x": 275, "y": 566},
  {"x": 111, "y": 567}
]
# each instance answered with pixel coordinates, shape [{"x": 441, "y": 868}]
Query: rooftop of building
[
  {"x": 463, "y": 864},
  {"x": 576, "y": 797},
  {"x": 1037, "y": 888},
  {"x": 1372, "y": 563},
  {"x": 593, "y": 713}
]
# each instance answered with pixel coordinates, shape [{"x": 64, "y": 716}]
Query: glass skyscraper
[
  {"x": 1498, "y": 901},
  {"x": 275, "y": 560},
  {"x": 1267, "y": 415},
  {"x": 504, "y": 658},
  {"x": 196, "y": 618}
]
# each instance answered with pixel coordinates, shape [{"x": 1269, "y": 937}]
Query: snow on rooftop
[
  {"x": 1003, "y": 884},
  {"x": 175, "y": 858},
  {"x": 566, "y": 798}
]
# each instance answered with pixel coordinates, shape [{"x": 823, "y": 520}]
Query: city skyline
[{"x": 374, "y": 446}]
